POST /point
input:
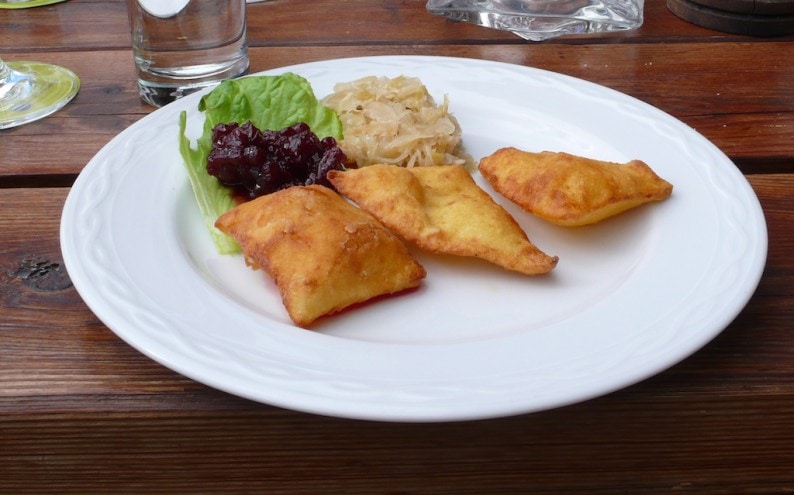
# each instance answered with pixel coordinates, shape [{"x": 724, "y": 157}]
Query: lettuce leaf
[{"x": 270, "y": 103}]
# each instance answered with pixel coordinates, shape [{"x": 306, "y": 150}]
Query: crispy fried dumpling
[
  {"x": 570, "y": 190},
  {"x": 323, "y": 253},
  {"x": 442, "y": 210}
]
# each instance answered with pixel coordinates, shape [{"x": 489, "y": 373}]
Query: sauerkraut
[{"x": 396, "y": 121}]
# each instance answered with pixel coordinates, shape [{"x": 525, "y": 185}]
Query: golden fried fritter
[
  {"x": 570, "y": 190},
  {"x": 442, "y": 210},
  {"x": 323, "y": 253}
]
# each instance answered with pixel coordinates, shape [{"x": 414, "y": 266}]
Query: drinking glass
[
  {"x": 32, "y": 90},
  {"x": 181, "y": 46}
]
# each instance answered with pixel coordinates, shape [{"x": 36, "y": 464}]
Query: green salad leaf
[{"x": 269, "y": 103}]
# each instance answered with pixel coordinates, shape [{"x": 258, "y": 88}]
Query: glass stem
[
  {"x": 4, "y": 72},
  {"x": 12, "y": 83}
]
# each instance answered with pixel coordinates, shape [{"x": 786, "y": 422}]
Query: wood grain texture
[
  {"x": 710, "y": 81},
  {"x": 83, "y": 412},
  {"x": 269, "y": 451},
  {"x": 750, "y": 118},
  {"x": 79, "y": 25}
]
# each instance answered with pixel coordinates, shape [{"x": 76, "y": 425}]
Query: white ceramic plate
[{"x": 630, "y": 297}]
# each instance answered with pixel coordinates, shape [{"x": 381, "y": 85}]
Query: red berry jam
[{"x": 254, "y": 163}]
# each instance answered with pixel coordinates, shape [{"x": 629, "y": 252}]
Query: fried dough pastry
[
  {"x": 442, "y": 210},
  {"x": 323, "y": 253},
  {"x": 570, "y": 190}
]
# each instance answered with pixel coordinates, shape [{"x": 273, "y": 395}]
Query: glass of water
[
  {"x": 181, "y": 46},
  {"x": 538, "y": 20}
]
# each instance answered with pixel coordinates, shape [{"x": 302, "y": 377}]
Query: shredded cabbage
[{"x": 396, "y": 122}]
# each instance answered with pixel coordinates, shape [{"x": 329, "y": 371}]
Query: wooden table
[{"x": 83, "y": 412}]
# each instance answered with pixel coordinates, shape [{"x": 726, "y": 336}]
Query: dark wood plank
[
  {"x": 82, "y": 412},
  {"x": 750, "y": 119},
  {"x": 614, "y": 445},
  {"x": 93, "y": 24},
  {"x": 66, "y": 339}
]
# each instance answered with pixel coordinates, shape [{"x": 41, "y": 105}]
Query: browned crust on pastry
[
  {"x": 323, "y": 253},
  {"x": 571, "y": 190},
  {"x": 442, "y": 210}
]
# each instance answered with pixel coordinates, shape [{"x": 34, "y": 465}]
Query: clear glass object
[
  {"x": 538, "y": 20},
  {"x": 25, "y": 4},
  {"x": 32, "y": 90},
  {"x": 181, "y": 46}
]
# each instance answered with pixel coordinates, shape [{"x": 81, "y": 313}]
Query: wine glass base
[
  {"x": 26, "y": 4},
  {"x": 36, "y": 90}
]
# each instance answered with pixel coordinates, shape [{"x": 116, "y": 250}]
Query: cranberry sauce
[{"x": 255, "y": 163}]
